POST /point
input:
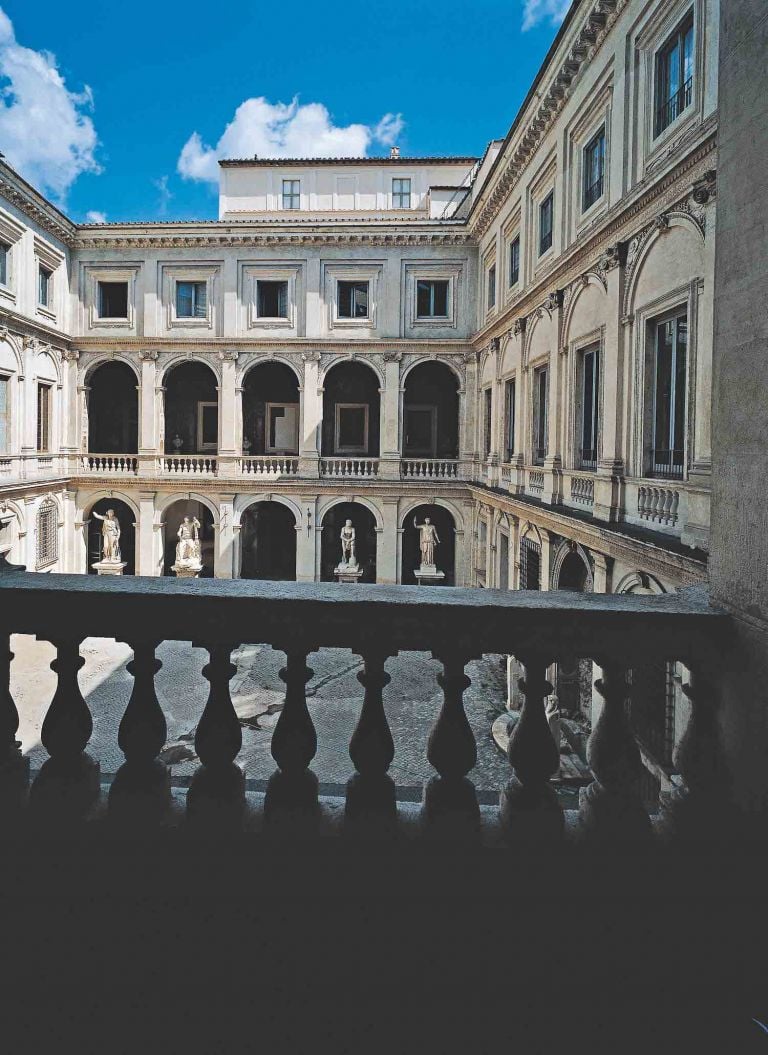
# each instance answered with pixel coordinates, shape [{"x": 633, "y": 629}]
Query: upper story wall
[{"x": 291, "y": 188}]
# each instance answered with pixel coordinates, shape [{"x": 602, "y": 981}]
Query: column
[
  {"x": 68, "y": 548},
  {"x": 616, "y": 338},
  {"x": 468, "y": 403},
  {"x": 310, "y": 420},
  {"x": 390, "y": 416},
  {"x": 30, "y": 542},
  {"x": 546, "y": 558},
  {"x": 148, "y": 416},
  {"x": 305, "y": 539},
  {"x": 387, "y": 544},
  {"x": 230, "y": 410},
  {"x": 489, "y": 547},
  {"x": 69, "y": 438},
  {"x": 224, "y": 540},
  {"x": 28, "y": 436},
  {"x": 147, "y": 562}
]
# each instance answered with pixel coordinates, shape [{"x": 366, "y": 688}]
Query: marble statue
[
  {"x": 427, "y": 541},
  {"x": 348, "y": 556},
  {"x": 188, "y": 546},
  {"x": 110, "y": 536}
]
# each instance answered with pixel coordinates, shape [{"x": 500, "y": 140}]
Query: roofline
[
  {"x": 564, "y": 27},
  {"x": 307, "y": 162},
  {"x": 37, "y": 197}
]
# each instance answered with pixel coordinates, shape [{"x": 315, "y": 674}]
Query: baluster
[
  {"x": 528, "y": 805},
  {"x": 371, "y": 748},
  {"x": 451, "y": 749},
  {"x": 14, "y": 767},
  {"x": 217, "y": 790},
  {"x": 610, "y": 806},
  {"x": 293, "y": 788},
  {"x": 68, "y": 781},
  {"x": 141, "y": 785},
  {"x": 699, "y": 809}
]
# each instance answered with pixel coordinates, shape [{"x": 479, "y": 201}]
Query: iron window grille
[
  {"x": 530, "y": 565},
  {"x": 47, "y": 534}
]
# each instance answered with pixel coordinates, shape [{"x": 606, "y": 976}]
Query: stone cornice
[
  {"x": 21, "y": 326},
  {"x": 34, "y": 206},
  {"x": 212, "y": 237},
  {"x": 652, "y": 196},
  {"x": 534, "y": 126},
  {"x": 298, "y": 344}
]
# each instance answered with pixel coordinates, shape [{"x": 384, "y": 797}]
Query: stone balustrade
[
  {"x": 188, "y": 465},
  {"x": 269, "y": 466},
  {"x": 429, "y": 469},
  {"x": 583, "y": 490},
  {"x": 617, "y": 632},
  {"x": 536, "y": 481},
  {"x": 112, "y": 464},
  {"x": 356, "y": 468},
  {"x": 658, "y": 504}
]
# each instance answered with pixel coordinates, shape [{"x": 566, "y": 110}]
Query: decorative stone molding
[
  {"x": 149, "y": 355},
  {"x": 211, "y": 239},
  {"x": 69, "y": 355},
  {"x": 310, "y": 357},
  {"x": 228, "y": 355},
  {"x": 519, "y": 327},
  {"x": 555, "y": 300},
  {"x": 705, "y": 188},
  {"x": 395, "y": 357}
]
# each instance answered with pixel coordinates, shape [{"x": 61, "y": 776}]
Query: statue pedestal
[
  {"x": 186, "y": 570},
  {"x": 109, "y": 567},
  {"x": 428, "y": 575},
  {"x": 348, "y": 572}
]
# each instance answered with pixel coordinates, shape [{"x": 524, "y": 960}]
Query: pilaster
[
  {"x": 147, "y": 562},
  {"x": 305, "y": 540},
  {"x": 223, "y": 551},
  {"x": 310, "y": 422},
  {"x": 391, "y": 399},
  {"x": 230, "y": 418},
  {"x": 609, "y": 478},
  {"x": 387, "y": 544}
]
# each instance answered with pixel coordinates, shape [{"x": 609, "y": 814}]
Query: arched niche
[
  {"x": 586, "y": 312},
  {"x": 431, "y": 412},
  {"x": 445, "y": 551},
  {"x": 364, "y": 522},
  {"x": 173, "y": 515},
  {"x": 127, "y": 520},
  {"x": 351, "y": 402},
  {"x": 670, "y": 259},
  {"x": 268, "y": 542}
]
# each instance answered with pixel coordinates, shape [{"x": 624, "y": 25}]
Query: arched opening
[
  {"x": 127, "y": 520},
  {"x": 364, "y": 523},
  {"x": 573, "y": 675},
  {"x": 431, "y": 412},
  {"x": 268, "y": 542},
  {"x": 191, "y": 410},
  {"x": 113, "y": 410},
  {"x": 445, "y": 550},
  {"x": 173, "y": 517},
  {"x": 270, "y": 410},
  {"x": 351, "y": 411}
]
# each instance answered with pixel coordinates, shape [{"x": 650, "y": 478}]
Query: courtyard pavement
[{"x": 412, "y": 701}]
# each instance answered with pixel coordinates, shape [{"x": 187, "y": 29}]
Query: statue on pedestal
[
  {"x": 188, "y": 546},
  {"x": 348, "y": 537},
  {"x": 110, "y": 536},
  {"x": 427, "y": 541}
]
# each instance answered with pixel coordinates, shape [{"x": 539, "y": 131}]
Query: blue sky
[{"x": 122, "y": 110}]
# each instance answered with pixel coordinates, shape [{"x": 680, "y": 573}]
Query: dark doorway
[
  {"x": 268, "y": 542},
  {"x": 113, "y": 410},
  {"x": 351, "y": 411},
  {"x": 364, "y": 524},
  {"x": 191, "y": 410},
  {"x": 173, "y": 516},
  {"x": 270, "y": 410},
  {"x": 431, "y": 412},
  {"x": 127, "y": 520},
  {"x": 445, "y": 552}
]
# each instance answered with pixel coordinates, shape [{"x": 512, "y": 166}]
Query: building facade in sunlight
[{"x": 517, "y": 347}]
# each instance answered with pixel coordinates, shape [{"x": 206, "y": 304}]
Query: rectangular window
[
  {"x": 43, "y": 418},
  {"x": 291, "y": 194},
  {"x": 113, "y": 300},
  {"x": 432, "y": 299},
  {"x": 5, "y": 415},
  {"x": 401, "y": 194},
  {"x": 487, "y": 421},
  {"x": 271, "y": 300},
  {"x": 44, "y": 282},
  {"x": 491, "y": 286},
  {"x": 47, "y": 534},
  {"x": 674, "y": 75},
  {"x": 5, "y": 253},
  {"x": 207, "y": 426},
  {"x": 421, "y": 430},
  {"x": 352, "y": 300},
  {"x": 546, "y": 210},
  {"x": 509, "y": 418},
  {"x": 540, "y": 415},
  {"x": 191, "y": 300},
  {"x": 594, "y": 169},
  {"x": 590, "y": 409},
  {"x": 351, "y": 436},
  {"x": 530, "y": 565},
  {"x": 671, "y": 360},
  {"x": 514, "y": 261},
  {"x": 282, "y": 428}
]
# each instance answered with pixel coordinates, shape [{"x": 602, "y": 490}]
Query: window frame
[
  {"x": 588, "y": 202},
  {"x": 352, "y": 283},
  {"x": 655, "y": 469},
  {"x": 401, "y": 194},
  {"x": 202, "y": 447},
  {"x": 350, "y": 450},
  {"x": 490, "y": 287},
  {"x": 5, "y": 379},
  {"x": 196, "y": 284},
  {"x": 676, "y": 39},
  {"x": 290, "y": 195},
  {"x": 487, "y": 421},
  {"x": 44, "y": 416},
  {"x": 274, "y": 449},
  {"x": 432, "y": 282},
  {"x": 510, "y": 412},
  {"x": 539, "y": 419},
  {"x": 44, "y": 270},
  {"x": 548, "y": 201},
  {"x": 420, "y": 452},
  {"x": 514, "y": 268},
  {"x": 588, "y": 461},
  {"x": 287, "y": 290},
  {"x": 48, "y": 518},
  {"x": 99, "y": 301}
]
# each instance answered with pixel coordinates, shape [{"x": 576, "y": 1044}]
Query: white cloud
[
  {"x": 273, "y": 130},
  {"x": 94, "y": 216},
  {"x": 164, "y": 195},
  {"x": 553, "y": 11},
  {"x": 45, "y": 130}
]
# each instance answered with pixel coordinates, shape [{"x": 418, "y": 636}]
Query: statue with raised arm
[
  {"x": 110, "y": 536},
  {"x": 348, "y": 537},
  {"x": 188, "y": 546},
  {"x": 427, "y": 541}
]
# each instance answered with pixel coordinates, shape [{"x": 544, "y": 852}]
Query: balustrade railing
[
  {"x": 617, "y": 632},
  {"x": 658, "y": 504},
  {"x": 270, "y": 466},
  {"x": 535, "y": 481},
  {"x": 187, "y": 465},
  {"x": 429, "y": 468},
  {"x": 6, "y": 466},
  {"x": 349, "y": 467},
  {"x": 583, "y": 490},
  {"x": 115, "y": 464}
]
